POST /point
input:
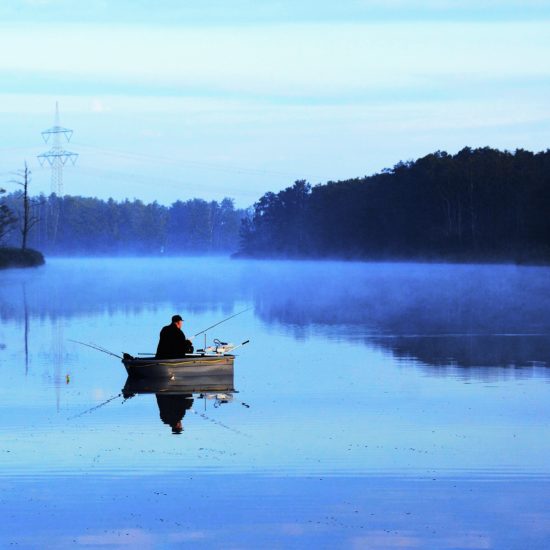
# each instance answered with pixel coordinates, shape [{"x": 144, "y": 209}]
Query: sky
[{"x": 172, "y": 100}]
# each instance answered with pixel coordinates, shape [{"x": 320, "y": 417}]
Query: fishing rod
[
  {"x": 240, "y": 345},
  {"x": 98, "y": 348},
  {"x": 220, "y": 322}
]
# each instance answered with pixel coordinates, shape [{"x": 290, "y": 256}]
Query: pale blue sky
[{"x": 177, "y": 99}]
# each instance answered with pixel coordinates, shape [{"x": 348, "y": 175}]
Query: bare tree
[{"x": 26, "y": 220}]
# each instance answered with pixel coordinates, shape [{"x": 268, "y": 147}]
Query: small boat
[{"x": 193, "y": 364}]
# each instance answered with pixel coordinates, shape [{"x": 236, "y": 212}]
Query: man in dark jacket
[{"x": 172, "y": 341}]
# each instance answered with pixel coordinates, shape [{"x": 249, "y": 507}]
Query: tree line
[
  {"x": 84, "y": 225},
  {"x": 479, "y": 204}
]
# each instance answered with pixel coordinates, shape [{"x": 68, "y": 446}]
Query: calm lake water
[{"x": 378, "y": 406}]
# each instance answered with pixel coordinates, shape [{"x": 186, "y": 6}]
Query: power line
[
  {"x": 145, "y": 182},
  {"x": 201, "y": 164},
  {"x": 144, "y": 157}
]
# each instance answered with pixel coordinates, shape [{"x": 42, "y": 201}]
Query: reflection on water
[
  {"x": 437, "y": 314},
  {"x": 181, "y": 384},
  {"x": 172, "y": 409},
  {"x": 69, "y": 288},
  {"x": 175, "y": 395},
  {"x": 468, "y": 351}
]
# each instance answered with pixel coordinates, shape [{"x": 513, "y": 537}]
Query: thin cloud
[
  {"x": 175, "y": 12},
  {"x": 285, "y": 61}
]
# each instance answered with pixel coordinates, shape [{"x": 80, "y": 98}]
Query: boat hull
[{"x": 203, "y": 365}]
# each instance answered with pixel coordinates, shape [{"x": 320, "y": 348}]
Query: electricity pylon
[{"x": 57, "y": 157}]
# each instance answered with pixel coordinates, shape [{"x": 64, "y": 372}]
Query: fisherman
[{"x": 172, "y": 342}]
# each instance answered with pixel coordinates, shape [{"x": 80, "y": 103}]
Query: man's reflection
[{"x": 172, "y": 409}]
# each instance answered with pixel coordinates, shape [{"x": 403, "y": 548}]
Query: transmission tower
[{"x": 57, "y": 157}]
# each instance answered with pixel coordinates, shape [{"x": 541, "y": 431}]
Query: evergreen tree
[{"x": 7, "y": 219}]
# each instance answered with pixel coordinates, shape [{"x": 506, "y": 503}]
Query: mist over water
[
  {"x": 456, "y": 315},
  {"x": 355, "y": 371}
]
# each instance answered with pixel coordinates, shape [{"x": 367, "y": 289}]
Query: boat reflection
[
  {"x": 178, "y": 385},
  {"x": 175, "y": 395}
]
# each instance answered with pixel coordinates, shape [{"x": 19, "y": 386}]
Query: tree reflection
[{"x": 465, "y": 315}]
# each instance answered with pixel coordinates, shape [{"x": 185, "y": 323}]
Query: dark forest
[{"x": 478, "y": 205}]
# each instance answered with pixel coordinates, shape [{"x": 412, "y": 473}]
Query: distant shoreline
[
  {"x": 532, "y": 261},
  {"x": 17, "y": 258}
]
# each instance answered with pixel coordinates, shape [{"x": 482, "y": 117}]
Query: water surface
[{"x": 378, "y": 405}]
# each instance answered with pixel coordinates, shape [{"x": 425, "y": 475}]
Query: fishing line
[
  {"x": 98, "y": 348},
  {"x": 220, "y": 322},
  {"x": 94, "y": 408},
  {"x": 218, "y": 423}
]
